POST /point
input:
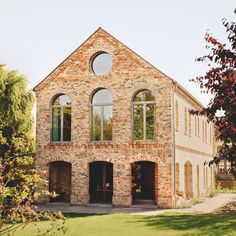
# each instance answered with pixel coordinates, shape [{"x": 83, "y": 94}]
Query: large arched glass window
[
  {"x": 144, "y": 116},
  {"x": 61, "y": 119},
  {"x": 101, "y": 120}
]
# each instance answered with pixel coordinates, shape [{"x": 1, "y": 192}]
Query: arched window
[
  {"x": 188, "y": 179},
  {"x": 144, "y": 116},
  {"x": 61, "y": 119},
  {"x": 101, "y": 116},
  {"x": 176, "y": 115},
  {"x": 185, "y": 121}
]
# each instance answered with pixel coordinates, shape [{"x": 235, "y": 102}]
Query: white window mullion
[
  {"x": 92, "y": 122},
  {"x": 144, "y": 121},
  {"x": 62, "y": 124},
  {"x": 102, "y": 115}
]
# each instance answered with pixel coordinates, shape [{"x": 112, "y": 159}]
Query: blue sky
[{"x": 37, "y": 35}]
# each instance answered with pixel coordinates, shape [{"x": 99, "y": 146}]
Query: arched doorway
[
  {"x": 143, "y": 181},
  {"x": 188, "y": 179},
  {"x": 100, "y": 182},
  {"x": 60, "y": 180}
]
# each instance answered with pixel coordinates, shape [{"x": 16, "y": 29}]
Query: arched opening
[
  {"x": 101, "y": 116},
  {"x": 143, "y": 116},
  {"x": 100, "y": 182},
  {"x": 143, "y": 182},
  {"x": 61, "y": 118},
  {"x": 188, "y": 179},
  {"x": 60, "y": 180}
]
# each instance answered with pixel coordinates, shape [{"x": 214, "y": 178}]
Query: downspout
[{"x": 174, "y": 154}]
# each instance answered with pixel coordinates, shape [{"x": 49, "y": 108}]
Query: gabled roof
[
  {"x": 96, "y": 32},
  {"x": 100, "y": 30}
]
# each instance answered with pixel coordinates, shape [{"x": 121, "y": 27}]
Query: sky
[{"x": 36, "y": 36}]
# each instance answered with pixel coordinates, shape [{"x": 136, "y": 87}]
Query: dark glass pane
[
  {"x": 138, "y": 122},
  {"x": 107, "y": 123},
  {"x": 102, "y": 64},
  {"x": 56, "y": 124},
  {"x": 96, "y": 123},
  {"x": 102, "y": 96},
  {"x": 150, "y": 121},
  {"x": 144, "y": 96},
  {"x": 66, "y": 123},
  {"x": 62, "y": 100}
]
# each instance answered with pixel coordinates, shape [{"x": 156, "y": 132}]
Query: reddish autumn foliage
[{"x": 220, "y": 81}]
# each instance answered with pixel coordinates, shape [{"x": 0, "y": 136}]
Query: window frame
[
  {"x": 62, "y": 119},
  {"x": 144, "y": 105},
  {"x": 101, "y": 105},
  {"x": 93, "y": 58}
]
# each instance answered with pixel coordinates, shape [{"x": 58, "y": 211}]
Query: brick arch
[
  {"x": 100, "y": 160},
  {"x": 96, "y": 90},
  {"x": 150, "y": 159},
  {"x": 56, "y": 92},
  {"x": 188, "y": 179},
  {"x": 98, "y": 86},
  {"x": 104, "y": 158},
  {"x": 140, "y": 90},
  {"x": 64, "y": 158},
  {"x": 137, "y": 89},
  {"x": 98, "y": 49},
  {"x": 57, "y": 95}
]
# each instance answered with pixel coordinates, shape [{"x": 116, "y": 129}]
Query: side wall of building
[{"x": 193, "y": 148}]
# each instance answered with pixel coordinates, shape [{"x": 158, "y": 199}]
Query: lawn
[{"x": 133, "y": 225}]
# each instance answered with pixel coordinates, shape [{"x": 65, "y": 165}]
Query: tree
[
  {"x": 19, "y": 182},
  {"x": 220, "y": 81}
]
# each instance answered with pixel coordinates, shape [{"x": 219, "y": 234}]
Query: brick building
[{"x": 112, "y": 128}]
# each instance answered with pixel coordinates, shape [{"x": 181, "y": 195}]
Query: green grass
[{"x": 131, "y": 225}]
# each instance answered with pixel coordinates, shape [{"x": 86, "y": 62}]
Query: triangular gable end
[{"x": 102, "y": 32}]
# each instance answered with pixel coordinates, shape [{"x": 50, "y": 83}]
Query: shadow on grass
[
  {"x": 200, "y": 224},
  {"x": 75, "y": 214}
]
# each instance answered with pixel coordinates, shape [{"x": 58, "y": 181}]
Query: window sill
[
  {"x": 60, "y": 143},
  {"x": 100, "y": 142},
  {"x": 143, "y": 141}
]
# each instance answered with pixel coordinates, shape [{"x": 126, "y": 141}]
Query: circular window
[{"x": 101, "y": 63}]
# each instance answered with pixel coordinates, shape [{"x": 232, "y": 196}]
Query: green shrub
[{"x": 219, "y": 189}]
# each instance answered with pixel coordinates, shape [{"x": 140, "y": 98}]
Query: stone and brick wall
[{"x": 129, "y": 74}]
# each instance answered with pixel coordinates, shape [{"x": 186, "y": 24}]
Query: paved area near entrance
[{"x": 207, "y": 206}]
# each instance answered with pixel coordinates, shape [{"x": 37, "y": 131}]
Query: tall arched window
[
  {"x": 144, "y": 116},
  {"x": 188, "y": 179},
  {"x": 185, "y": 121},
  {"x": 176, "y": 115},
  {"x": 101, "y": 116},
  {"x": 61, "y": 119}
]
